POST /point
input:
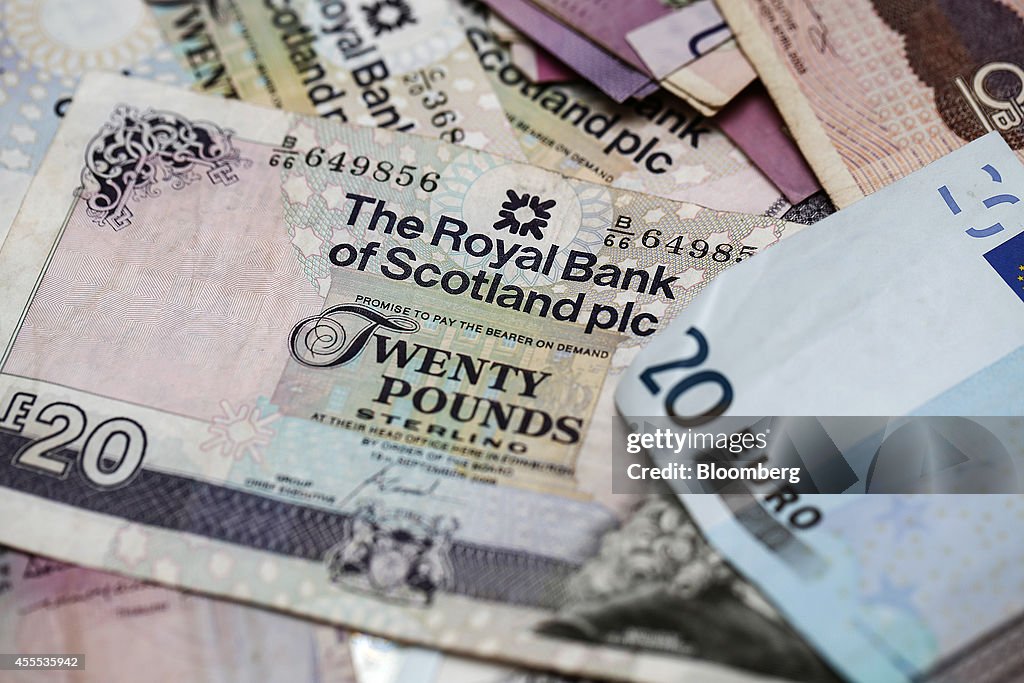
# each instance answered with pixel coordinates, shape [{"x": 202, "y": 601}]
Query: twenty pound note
[
  {"x": 909, "y": 303},
  {"x": 370, "y": 370}
]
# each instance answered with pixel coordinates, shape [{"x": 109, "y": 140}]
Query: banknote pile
[{"x": 326, "y": 326}]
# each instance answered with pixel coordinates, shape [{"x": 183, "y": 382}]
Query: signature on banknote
[{"x": 386, "y": 481}]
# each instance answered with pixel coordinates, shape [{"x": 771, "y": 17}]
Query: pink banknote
[
  {"x": 612, "y": 76},
  {"x": 676, "y": 39},
  {"x": 755, "y": 125},
  {"x": 539, "y": 65},
  {"x": 606, "y": 22}
]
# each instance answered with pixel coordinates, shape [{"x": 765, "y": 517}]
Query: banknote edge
[
  {"x": 637, "y": 665},
  {"x": 695, "y": 89},
  {"x": 796, "y": 111}
]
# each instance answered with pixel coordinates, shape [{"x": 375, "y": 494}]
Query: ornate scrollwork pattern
[
  {"x": 338, "y": 335},
  {"x": 138, "y": 150}
]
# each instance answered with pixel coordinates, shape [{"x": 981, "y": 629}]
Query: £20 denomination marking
[{"x": 109, "y": 455}]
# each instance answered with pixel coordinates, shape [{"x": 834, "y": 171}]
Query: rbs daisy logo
[
  {"x": 388, "y": 15},
  {"x": 524, "y": 214}
]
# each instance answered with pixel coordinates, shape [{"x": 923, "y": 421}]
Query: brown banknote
[{"x": 875, "y": 89}]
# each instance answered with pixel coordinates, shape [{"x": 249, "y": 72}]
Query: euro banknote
[
  {"x": 659, "y": 146},
  {"x": 373, "y": 369},
  {"x": 891, "y": 586},
  {"x": 41, "y": 58},
  {"x": 122, "y": 629},
  {"x": 876, "y": 89}
]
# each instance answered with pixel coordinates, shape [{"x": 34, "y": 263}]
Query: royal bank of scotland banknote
[
  {"x": 199, "y": 33},
  {"x": 44, "y": 48},
  {"x": 370, "y": 368},
  {"x": 875, "y": 89},
  {"x": 658, "y": 146},
  {"x": 121, "y": 629},
  {"x": 402, "y": 65}
]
